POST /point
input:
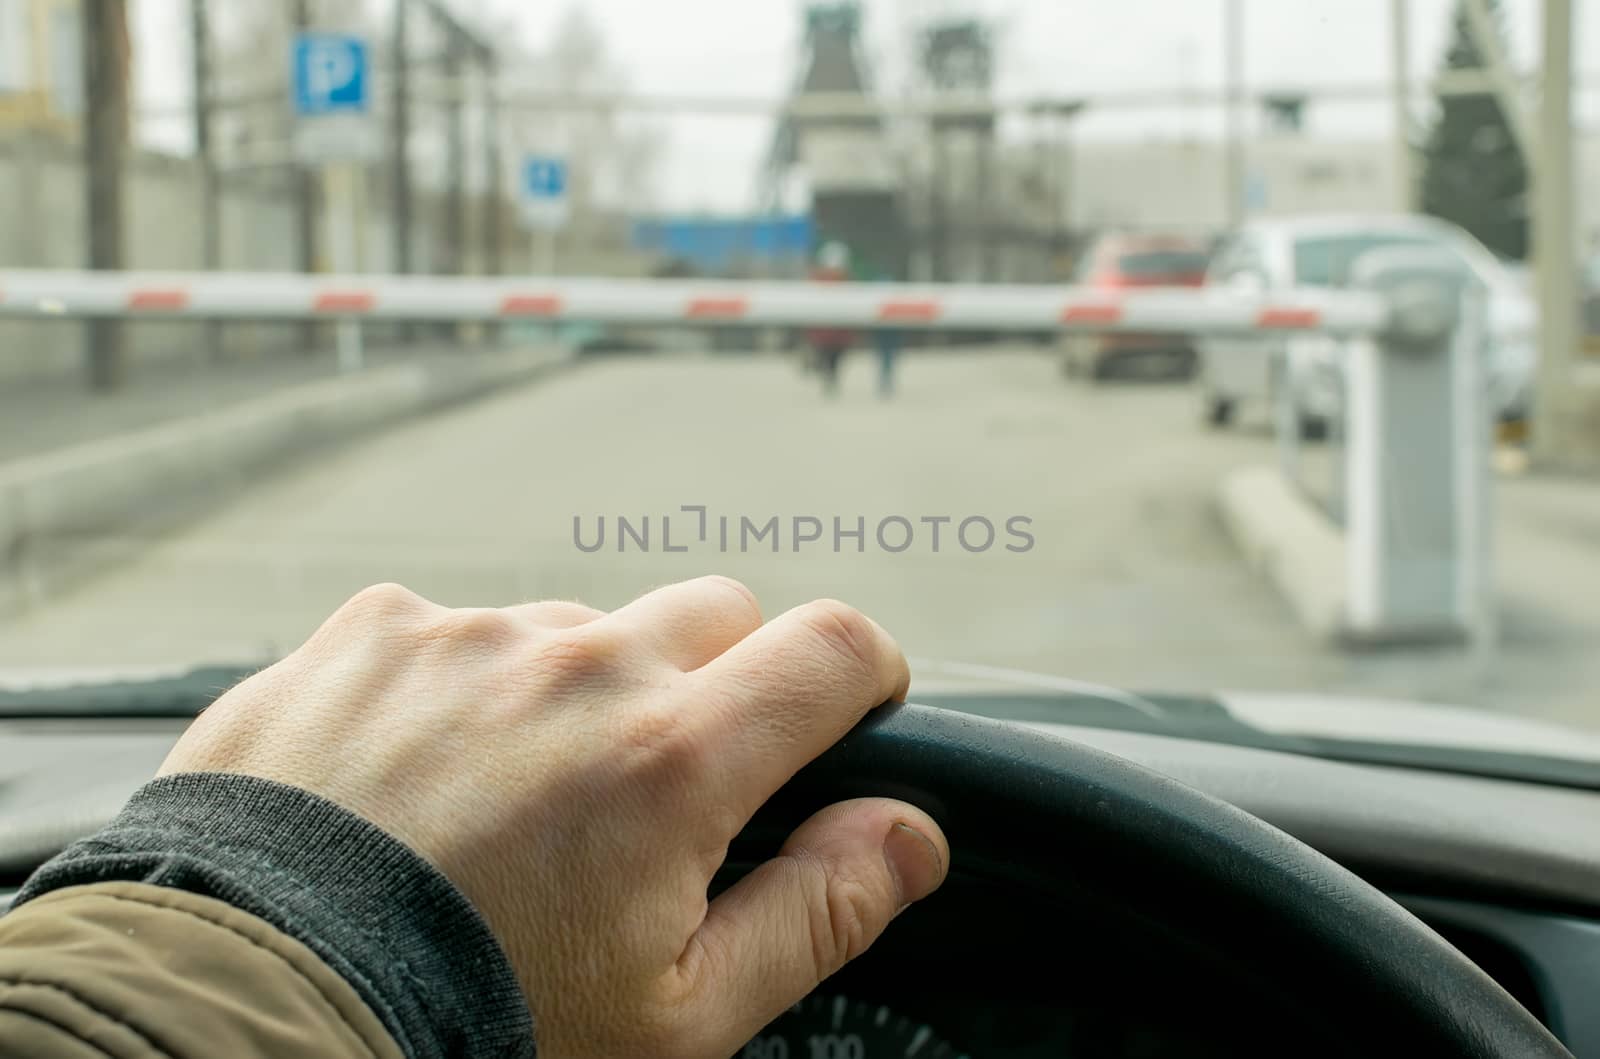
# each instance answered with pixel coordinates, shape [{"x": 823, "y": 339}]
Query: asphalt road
[{"x": 1130, "y": 578}]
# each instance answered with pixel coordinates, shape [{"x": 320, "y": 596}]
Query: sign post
[
  {"x": 542, "y": 191},
  {"x": 333, "y": 129}
]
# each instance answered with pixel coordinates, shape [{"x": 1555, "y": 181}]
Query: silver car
[{"x": 1318, "y": 252}]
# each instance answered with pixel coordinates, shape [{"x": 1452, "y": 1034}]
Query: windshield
[
  {"x": 1324, "y": 261},
  {"x": 505, "y": 301},
  {"x": 1162, "y": 263}
]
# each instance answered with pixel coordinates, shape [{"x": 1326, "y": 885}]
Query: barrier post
[
  {"x": 343, "y": 181},
  {"x": 1417, "y": 456}
]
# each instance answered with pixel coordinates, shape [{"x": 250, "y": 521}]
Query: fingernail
[{"x": 914, "y": 862}]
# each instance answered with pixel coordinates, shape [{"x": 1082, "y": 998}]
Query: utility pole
[
  {"x": 939, "y": 205},
  {"x": 400, "y": 140},
  {"x": 494, "y": 171},
  {"x": 988, "y": 271},
  {"x": 305, "y": 197},
  {"x": 400, "y": 149},
  {"x": 1233, "y": 112},
  {"x": 1400, "y": 44},
  {"x": 1047, "y": 171},
  {"x": 1064, "y": 190},
  {"x": 455, "y": 199},
  {"x": 210, "y": 191},
  {"x": 494, "y": 181},
  {"x": 105, "y": 136},
  {"x": 1554, "y": 246}
]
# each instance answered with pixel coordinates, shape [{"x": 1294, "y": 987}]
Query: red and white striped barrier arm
[{"x": 265, "y": 295}]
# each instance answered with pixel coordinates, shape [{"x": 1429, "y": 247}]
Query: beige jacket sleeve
[{"x": 134, "y": 971}]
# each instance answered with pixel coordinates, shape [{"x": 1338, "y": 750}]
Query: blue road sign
[
  {"x": 329, "y": 74},
  {"x": 544, "y": 178}
]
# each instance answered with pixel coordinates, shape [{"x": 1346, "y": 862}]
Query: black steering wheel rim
[{"x": 1208, "y": 872}]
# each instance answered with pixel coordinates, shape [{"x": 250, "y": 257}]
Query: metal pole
[
  {"x": 938, "y": 236},
  {"x": 400, "y": 140},
  {"x": 400, "y": 152},
  {"x": 494, "y": 182},
  {"x": 455, "y": 204},
  {"x": 1554, "y": 244},
  {"x": 841, "y": 106},
  {"x": 342, "y": 195},
  {"x": 494, "y": 192},
  {"x": 305, "y": 197},
  {"x": 1047, "y": 164},
  {"x": 983, "y": 211},
  {"x": 210, "y": 192},
  {"x": 1064, "y": 187},
  {"x": 105, "y": 76},
  {"x": 1400, "y": 47},
  {"x": 1233, "y": 124},
  {"x": 547, "y": 251}
]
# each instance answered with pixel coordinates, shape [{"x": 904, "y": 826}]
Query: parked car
[
  {"x": 1120, "y": 262},
  {"x": 1319, "y": 252}
]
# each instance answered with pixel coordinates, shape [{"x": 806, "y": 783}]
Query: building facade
[{"x": 41, "y": 65}]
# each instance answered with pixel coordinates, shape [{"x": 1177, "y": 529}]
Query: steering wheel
[{"x": 1202, "y": 870}]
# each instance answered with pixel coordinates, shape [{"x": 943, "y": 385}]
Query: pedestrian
[
  {"x": 829, "y": 344},
  {"x": 887, "y": 342},
  {"x": 829, "y": 356}
]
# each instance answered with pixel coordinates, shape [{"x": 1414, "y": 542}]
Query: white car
[{"x": 1317, "y": 252}]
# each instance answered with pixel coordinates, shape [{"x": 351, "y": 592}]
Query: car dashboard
[{"x": 1508, "y": 871}]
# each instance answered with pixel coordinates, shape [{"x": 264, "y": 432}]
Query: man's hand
[{"x": 579, "y": 776}]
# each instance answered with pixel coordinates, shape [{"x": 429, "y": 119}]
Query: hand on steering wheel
[{"x": 579, "y": 775}]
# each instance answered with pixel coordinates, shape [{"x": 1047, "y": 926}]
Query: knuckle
[
  {"x": 383, "y": 601},
  {"x": 850, "y": 910},
  {"x": 739, "y": 595},
  {"x": 476, "y": 626},
  {"x": 562, "y": 612},
  {"x": 578, "y": 655},
  {"x": 844, "y": 629},
  {"x": 661, "y": 740},
  {"x": 844, "y": 918}
]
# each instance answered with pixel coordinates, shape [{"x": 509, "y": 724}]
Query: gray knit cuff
[{"x": 374, "y": 910}]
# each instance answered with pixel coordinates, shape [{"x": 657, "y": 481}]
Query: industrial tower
[{"x": 847, "y": 162}]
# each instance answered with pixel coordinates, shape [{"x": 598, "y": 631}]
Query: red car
[{"x": 1121, "y": 262}]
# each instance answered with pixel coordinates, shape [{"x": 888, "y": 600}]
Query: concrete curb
[
  {"x": 61, "y": 512},
  {"x": 1285, "y": 536}
]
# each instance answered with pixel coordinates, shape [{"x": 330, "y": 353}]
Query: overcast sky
[{"x": 1045, "y": 47}]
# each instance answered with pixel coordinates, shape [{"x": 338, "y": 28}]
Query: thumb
[{"x": 832, "y": 889}]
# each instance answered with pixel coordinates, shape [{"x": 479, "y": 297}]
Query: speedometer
[{"x": 836, "y": 1027}]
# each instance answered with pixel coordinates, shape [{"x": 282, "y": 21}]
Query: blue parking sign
[
  {"x": 544, "y": 178},
  {"x": 543, "y": 191},
  {"x": 329, "y": 74}
]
